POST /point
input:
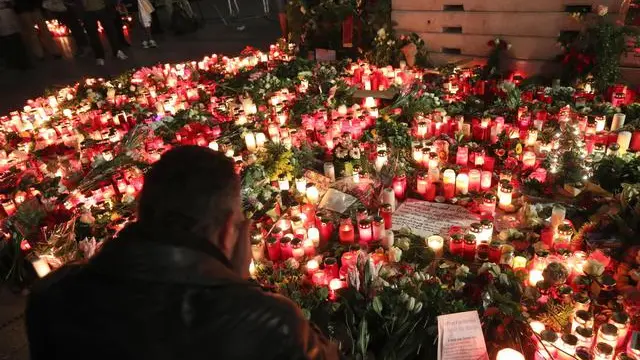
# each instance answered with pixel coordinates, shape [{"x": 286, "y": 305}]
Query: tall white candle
[
  {"x": 250, "y": 141},
  {"x": 41, "y": 266},
  {"x": 436, "y": 243},
  {"x": 558, "y": 214},
  {"x": 618, "y": 121},
  {"x": 462, "y": 184},
  {"x": 389, "y": 197},
  {"x": 624, "y": 139},
  {"x": 313, "y": 234},
  {"x": 261, "y": 138}
]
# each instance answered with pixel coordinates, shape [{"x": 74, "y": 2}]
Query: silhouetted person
[{"x": 174, "y": 284}]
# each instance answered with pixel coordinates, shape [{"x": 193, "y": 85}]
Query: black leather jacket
[{"x": 141, "y": 300}]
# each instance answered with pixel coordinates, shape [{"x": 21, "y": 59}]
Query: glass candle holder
[
  {"x": 482, "y": 251},
  {"x": 495, "y": 252},
  {"x": 505, "y": 196},
  {"x": 582, "y": 318},
  {"x": 386, "y": 210},
  {"x": 568, "y": 344},
  {"x": 585, "y": 336},
  {"x": 603, "y": 351},
  {"x": 469, "y": 247},
  {"x": 257, "y": 247},
  {"x": 449, "y": 183},
  {"x": 422, "y": 182},
  {"x": 456, "y": 245},
  {"x": 608, "y": 334},
  {"x": 548, "y": 342},
  {"x": 621, "y": 321},
  {"x": 285, "y": 248},
  {"x": 488, "y": 207},
  {"x": 319, "y": 278},
  {"x": 297, "y": 250},
  {"x": 361, "y": 213},
  {"x": 487, "y": 229},
  {"x": 331, "y": 267},
  {"x": 273, "y": 248},
  {"x": 563, "y": 237},
  {"x": 436, "y": 243},
  {"x": 475, "y": 229},
  {"x": 346, "y": 232},
  {"x": 584, "y": 353},
  {"x": 508, "y": 253},
  {"x": 378, "y": 228},
  {"x": 364, "y": 231},
  {"x": 582, "y": 301}
]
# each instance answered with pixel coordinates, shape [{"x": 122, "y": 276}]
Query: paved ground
[
  {"x": 17, "y": 86},
  {"x": 214, "y": 37}
]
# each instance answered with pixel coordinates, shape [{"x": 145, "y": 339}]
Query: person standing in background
[
  {"x": 145, "y": 9},
  {"x": 11, "y": 46},
  {"x": 69, "y": 13},
  {"x": 94, "y": 11},
  {"x": 30, "y": 15}
]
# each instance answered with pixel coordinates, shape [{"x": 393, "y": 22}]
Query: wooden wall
[{"x": 460, "y": 29}]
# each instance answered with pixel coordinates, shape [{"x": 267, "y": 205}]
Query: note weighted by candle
[
  {"x": 426, "y": 218},
  {"x": 460, "y": 337}
]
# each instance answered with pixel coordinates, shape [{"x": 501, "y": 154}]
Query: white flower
[
  {"x": 458, "y": 285},
  {"x": 497, "y": 41},
  {"x": 491, "y": 267},
  {"x": 403, "y": 243},
  {"x": 303, "y": 10},
  {"x": 504, "y": 279},
  {"x": 292, "y": 263},
  {"x": 404, "y": 296},
  {"x": 395, "y": 254},
  {"x": 87, "y": 218},
  {"x": 354, "y": 153},
  {"x": 89, "y": 247},
  {"x": 411, "y": 304},
  {"x": 462, "y": 271},
  {"x": 602, "y": 10},
  {"x": 128, "y": 198},
  {"x": 341, "y": 152},
  {"x": 593, "y": 268},
  {"x": 353, "y": 276},
  {"x": 418, "y": 307}
]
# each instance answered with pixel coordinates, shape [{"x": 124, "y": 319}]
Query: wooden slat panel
[
  {"x": 491, "y": 23},
  {"x": 523, "y": 47},
  {"x": 526, "y": 67},
  {"x": 503, "y": 5}
]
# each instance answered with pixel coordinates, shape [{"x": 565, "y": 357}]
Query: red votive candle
[
  {"x": 364, "y": 231},
  {"x": 286, "y": 251},
  {"x": 400, "y": 186},
  {"x": 273, "y": 248},
  {"x": 469, "y": 247},
  {"x": 456, "y": 245},
  {"x": 319, "y": 278},
  {"x": 386, "y": 212},
  {"x": 326, "y": 229},
  {"x": 331, "y": 267},
  {"x": 346, "y": 233},
  {"x": 495, "y": 252}
]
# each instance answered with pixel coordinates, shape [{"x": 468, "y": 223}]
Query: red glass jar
[
  {"x": 273, "y": 248},
  {"x": 285, "y": 248},
  {"x": 469, "y": 247},
  {"x": 456, "y": 245},
  {"x": 495, "y": 252},
  {"x": 346, "y": 232},
  {"x": 331, "y": 267},
  {"x": 386, "y": 212}
]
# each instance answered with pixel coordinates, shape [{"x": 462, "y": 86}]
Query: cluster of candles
[{"x": 608, "y": 340}]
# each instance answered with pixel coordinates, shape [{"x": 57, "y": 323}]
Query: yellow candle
[
  {"x": 462, "y": 184},
  {"x": 436, "y": 243}
]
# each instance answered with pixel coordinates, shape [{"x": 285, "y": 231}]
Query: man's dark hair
[{"x": 189, "y": 190}]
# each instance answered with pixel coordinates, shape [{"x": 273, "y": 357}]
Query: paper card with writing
[
  {"x": 460, "y": 337},
  {"x": 426, "y": 218}
]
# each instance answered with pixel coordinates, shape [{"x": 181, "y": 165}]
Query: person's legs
[
  {"x": 282, "y": 17},
  {"x": 106, "y": 19},
  {"x": 29, "y": 34},
  {"x": 45, "y": 34},
  {"x": 70, "y": 19},
  {"x": 90, "y": 20}
]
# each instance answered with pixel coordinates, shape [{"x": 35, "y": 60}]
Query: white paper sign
[
  {"x": 426, "y": 218},
  {"x": 336, "y": 201},
  {"x": 460, "y": 337}
]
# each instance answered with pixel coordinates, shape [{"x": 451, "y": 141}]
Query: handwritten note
[
  {"x": 426, "y": 218},
  {"x": 460, "y": 337}
]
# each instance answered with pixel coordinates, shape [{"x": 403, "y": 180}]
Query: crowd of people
[{"x": 24, "y": 34}]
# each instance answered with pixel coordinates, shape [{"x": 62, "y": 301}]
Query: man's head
[{"x": 193, "y": 190}]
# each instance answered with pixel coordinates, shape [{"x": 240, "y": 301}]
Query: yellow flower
[{"x": 519, "y": 148}]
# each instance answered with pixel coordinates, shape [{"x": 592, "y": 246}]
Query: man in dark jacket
[{"x": 174, "y": 284}]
